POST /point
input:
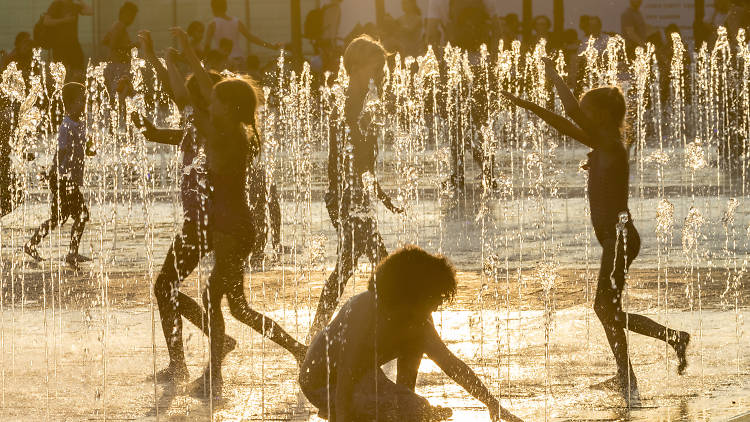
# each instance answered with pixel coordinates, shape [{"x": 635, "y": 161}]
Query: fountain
[{"x": 488, "y": 185}]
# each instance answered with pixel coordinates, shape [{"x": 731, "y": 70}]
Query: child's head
[
  {"x": 365, "y": 58},
  {"x": 413, "y": 281},
  {"x": 128, "y": 12},
  {"x": 74, "y": 99},
  {"x": 195, "y": 31},
  {"x": 219, "y": 7},
  {"x": 605, "y": 105},
  {"x": 234, "y": 102}
]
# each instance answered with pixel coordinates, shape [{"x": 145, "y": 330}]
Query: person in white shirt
[{"x": 228, "y": 27}]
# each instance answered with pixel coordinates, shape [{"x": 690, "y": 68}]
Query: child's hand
[
  {"x": 147, "y": 43},
  {"x": 181, "y": 36}
]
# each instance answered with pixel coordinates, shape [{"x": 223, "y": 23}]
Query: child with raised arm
[
  {"x": 352, "y": 154},
  {"x": 232, "y": 144},
  {"x": 66, "y": 177},
  {"x": 341, "y": 374},
  {"x": 598, "y": 122}
]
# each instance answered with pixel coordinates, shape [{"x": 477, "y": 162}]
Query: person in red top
[{"x": 62, "y": 15}]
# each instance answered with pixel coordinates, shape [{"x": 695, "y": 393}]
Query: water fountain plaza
[{"x": 85, "y": 344}]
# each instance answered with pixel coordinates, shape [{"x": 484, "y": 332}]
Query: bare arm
[
  {"x": 86, "y": 9},
  {"x": 176, "y": 80},
  {"x": 255, "y": 40},
  {"x": 154, "y": 134},
  {"x": 457, "y": 370},
  {"x": 563, "y": 125},
  {"x": 386, "y": 199},
  {"x": 204, "y": 80},
  {"x": 147, "y": 47},
  {"x": 408, "y": 368}
]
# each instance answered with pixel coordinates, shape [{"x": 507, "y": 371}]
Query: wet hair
[
  {"x": 128, "y": 8},
  {"x": 361, "y": 51},
  {"x": 411, "y": 275},
  {"x": 196, "y": 26},
  {"x": 219, "y": 7},
  {"x": 612, "y": 101},
  {"x": 72, "y": 92},
  {"x": 241, "y": 97},
  {"x": 20, "y": 38}
]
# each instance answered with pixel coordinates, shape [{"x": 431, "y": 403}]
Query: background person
[
  {"x": 228, "y": 27},
  {"x": 62, "y": 18}
]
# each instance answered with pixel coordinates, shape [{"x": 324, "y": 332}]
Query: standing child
[
  {"x": 232, "y": 143},
  {"x": 348, "y": 200},
  {"x": 598, "y": 123},
  {"x": 66, "y": 177},
  {"x": 192, "y": 243},
  {"x": 341, "y": 374},
  {"x": 228, "y": 27}
]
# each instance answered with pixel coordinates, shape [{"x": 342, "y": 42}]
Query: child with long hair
[
  {"x": 350, "y": 159},
  {"x": 598, "y": 122},
  {"x": 341, "y": 374},
  {"x": 192, "y": 243},
  {"x": 232, "y": 144}
]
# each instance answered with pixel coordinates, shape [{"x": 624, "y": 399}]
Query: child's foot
[
  {"x": 32, "y": 252},
  {"x": 611, "y": 384},
  {"x": 173, "y": 374},
  {"x": 73, "y": 259},
  {"x": 439, "y": 413},
  {"x": 683, "y": 340},
  {"x": 629, "y": 391},
  {"x": 206, "y": 387}
]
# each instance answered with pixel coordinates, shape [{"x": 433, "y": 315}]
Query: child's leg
[
  {"x": 182, "y": 258},
  {"x": 377, "y": 396},
  {"x": 376, "y": 250},
  {"x": 334, "y": 286},
  {"x": 212, "y": 302},
  {"x": 231, "y": 257},
  {"x": 609, "y": 306},
  {"x": 80, "y": 213},
  {"x": 269, "y": 328},
  {"x": 57, "y": 213}
]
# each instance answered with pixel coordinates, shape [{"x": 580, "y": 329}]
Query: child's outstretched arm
[
  {"x": 457, "y": 370},
  {"x": 563, "y": 125},
  {"x": 569, "y": 101},
  {"x": 255, "y": 40},
  {"x": 201, "y": 75},
  {"x": 155, "y": 134}
]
